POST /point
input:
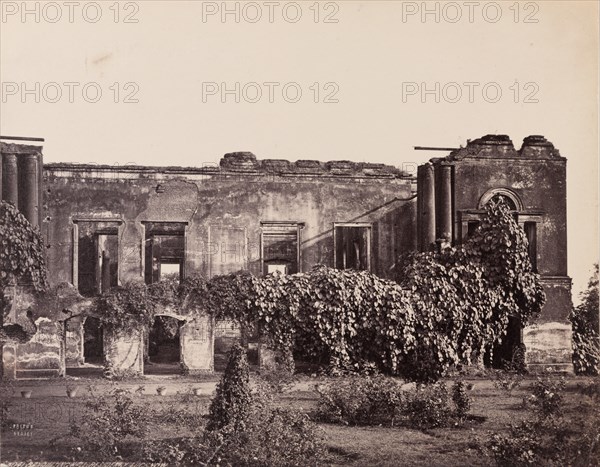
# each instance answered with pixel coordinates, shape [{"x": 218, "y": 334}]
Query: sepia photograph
[{"x": 299, "y": 233}]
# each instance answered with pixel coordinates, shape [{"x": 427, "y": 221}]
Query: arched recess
[
  {"x": 513, "y": 200},
  {"x": 163, "y": 345}
]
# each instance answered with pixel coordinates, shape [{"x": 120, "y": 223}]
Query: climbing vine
[
  {"x": 463, "y": 296},
  {"x": 125, "y": 309},
  {"x": 21, "y": 250},
  {"x": 450, "y": 306},
  {"x": 21, "y": 261}
]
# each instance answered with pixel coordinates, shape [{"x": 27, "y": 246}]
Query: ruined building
[{"x": 106, "y": 225}]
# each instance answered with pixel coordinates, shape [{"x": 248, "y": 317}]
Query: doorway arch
[{"x": 163, "y": 345}]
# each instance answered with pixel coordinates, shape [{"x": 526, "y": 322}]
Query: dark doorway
[
  {"x": 510, "y": 353},
  {"x": 93, "y": 338},
  {"x": 164, "y": 352}
]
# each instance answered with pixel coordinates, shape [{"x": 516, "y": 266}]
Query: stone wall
[
  {"x": 21, "y": 169},
  {"x": 225, "y": 212},
  {"x": 534, "y": 179},
  {"x": 222, "y": 213}
]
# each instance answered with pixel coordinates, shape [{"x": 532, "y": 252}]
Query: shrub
[
  {"x": 590, "y": 389},
  {"x": 378, "y": 400},
  {"x": 230, "y": 408},
  {"x": 519, "y": 448},
  {"x": 179, "y": 451},
  {"x": 547, "y": 398},
  {"x": 508, "y": 378},
  {"x": 184, "y": 410},
  {"x": 547, "y": 437},
  {"x": 270, "y": 436},
  {"x": 275, "y": 437},
  {"x": 461, "y": 400},
  {"x": 360, "y": 400},
  {"x": 586, "y": 340},
  {"x": 110, "y": 423},
  {"x": 429, "y": 406}
]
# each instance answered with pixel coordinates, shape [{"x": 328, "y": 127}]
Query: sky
[{"x": 184, "y": 82}]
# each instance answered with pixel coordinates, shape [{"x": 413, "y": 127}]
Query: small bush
[
  {"x": 180, "y": 451},
  {"x": 377, "y": 400},
  {"x": 110, "y": 423},
  {"x": 461, "y": 399},
  {"x": 360, "y": 400},
  {"x": 244, "y": 428},
  {"x": 547, "y": 398},
  {"x": 590, "y": 389},
  {"x": 266, "y": 435},
  {"x": 519, "y": 448},
  {"x": 547, "y": 436},
  {"x": 507, "y": 379},
  {"x": 429, "y": 406},
  {"x": 275, "y": 437},
  {"x": 184, "y": 412}
]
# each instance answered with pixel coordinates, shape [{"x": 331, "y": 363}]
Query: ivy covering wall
[
  {"x": 450, "y": 306},
  {"x": 21, "y": 261}
]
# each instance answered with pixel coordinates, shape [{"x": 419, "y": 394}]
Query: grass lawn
[{"x": 34, "y": 423}]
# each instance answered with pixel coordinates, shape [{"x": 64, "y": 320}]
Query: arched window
[
  {"x": 495, "y": 194},
  {"x": 514, "y": 203},
  {"x": 500, "y": 197}
]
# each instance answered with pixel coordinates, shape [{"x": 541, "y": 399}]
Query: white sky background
[{"x": 369, "y": 53}]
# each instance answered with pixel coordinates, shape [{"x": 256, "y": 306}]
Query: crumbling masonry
[{"x": 107, "y": 225}]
